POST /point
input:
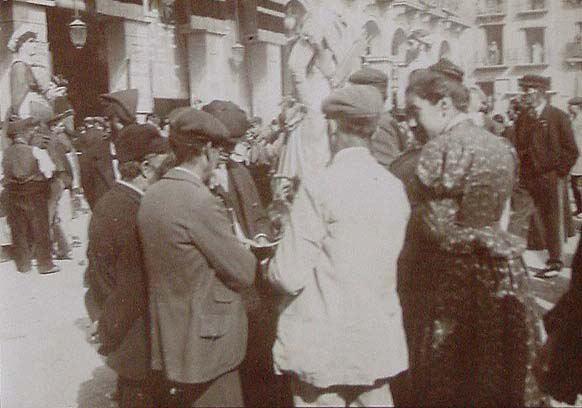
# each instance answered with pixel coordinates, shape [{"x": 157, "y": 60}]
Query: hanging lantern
[{"x": 78, "y": 33}]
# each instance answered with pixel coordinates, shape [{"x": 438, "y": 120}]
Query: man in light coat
[
  {"x": 575, "y": 109},
  {"x": 196, "y": 268},
  {"x": 340, "y": 334}
]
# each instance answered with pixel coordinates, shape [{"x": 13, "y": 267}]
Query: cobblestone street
[{"x": 46, "y": 361}]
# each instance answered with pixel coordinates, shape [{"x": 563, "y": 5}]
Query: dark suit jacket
[
  {"x": 546, "y": 143},
  {"x": 243, "y": 198},
  {"x": 196, "y": 268},
  {"x": 117, "y": 282},
  {"x": 97, "y": 175},
  {"x": 388, "y": 142}
]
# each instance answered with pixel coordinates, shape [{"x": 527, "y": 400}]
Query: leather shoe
[
  {"x": 47, "y": 270},
  {"x": 552, "y": 270}
]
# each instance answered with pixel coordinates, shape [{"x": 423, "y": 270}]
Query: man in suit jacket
[
  {"x": 117, "y": 294},
  {"x": 98, "y": 162},
  {"x": 233, "y": 183},
  {"x": 545, "y": 144},
  {"x": 196, "y": 268}
]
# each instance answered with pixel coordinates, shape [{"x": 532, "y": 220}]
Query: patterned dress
[{"x": 474, "y": 333}]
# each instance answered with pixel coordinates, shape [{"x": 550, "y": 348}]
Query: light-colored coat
[
  {"x": 342, "y": 323},
  {"x": 195, "y": 267}
]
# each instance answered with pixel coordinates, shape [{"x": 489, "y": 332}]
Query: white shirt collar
[
  {"x": 129, "y": 185},
  {"x": 541, "y": 108},
  {"x": 190, "y": 172}
]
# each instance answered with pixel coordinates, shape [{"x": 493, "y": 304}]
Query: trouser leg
[
  {"x": 546, "y": 194},
  {"x": 41, "y": 230},
  {"x": 18, "y": 219},
  {"x": 576, "y": 183}
]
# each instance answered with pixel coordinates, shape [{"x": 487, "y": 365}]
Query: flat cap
[
  {"x": 123, "y": 104},
  {"x": 193, "y": 127},
  {"x": 577, "y": 100},
  {"x": 534, "y": 81},
  {"x": 231, "y": 116},
  {"x": 16, "y": 126},
  {"x": 369, "y": 76},
  {"x": 353, "y": 101},
  {"x": 135, "y": 142},
  {"x": 448, "y": 69}
]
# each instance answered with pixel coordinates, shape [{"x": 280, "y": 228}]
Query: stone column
[{"x": 264, "y": 67}]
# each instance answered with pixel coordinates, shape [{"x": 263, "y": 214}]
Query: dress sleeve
[{"x": 443, "y": 167}]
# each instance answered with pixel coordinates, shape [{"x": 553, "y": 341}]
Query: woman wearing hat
[{"x": 463, "y": 284}]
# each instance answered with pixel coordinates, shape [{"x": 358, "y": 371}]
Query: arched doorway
[
  {"x": 85, "y": 69},
  {"x": 399, "y": 44}
]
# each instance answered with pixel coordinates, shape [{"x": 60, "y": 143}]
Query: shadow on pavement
[{"x": 93, "y": 393}]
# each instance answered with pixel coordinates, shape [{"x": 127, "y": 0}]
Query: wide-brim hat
[
  {"x": 123, "y": 104},
  {"x": 534, "y": 81},
  {"x": 577, "y": 100}
]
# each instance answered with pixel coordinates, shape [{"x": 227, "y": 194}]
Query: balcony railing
[
  {"x": 487, "y": 8},
  {"x": 485, "y": 61},
  {"x": 532, "y": 7},
  {"x": 530, "y": 56}
]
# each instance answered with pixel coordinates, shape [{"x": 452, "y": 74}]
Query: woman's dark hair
[{"x": 434, "y": 86}]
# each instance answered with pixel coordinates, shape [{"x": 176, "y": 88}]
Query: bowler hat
[
  {"x": 193, "y": 127},
  {"x": 534, "y": 81}
]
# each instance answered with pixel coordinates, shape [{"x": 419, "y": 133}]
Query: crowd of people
[{"x": 227, "y": 269}]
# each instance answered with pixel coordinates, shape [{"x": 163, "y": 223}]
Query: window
[
  {"x": 535, "y": 45},
  {"x": 494, "y": 48}
]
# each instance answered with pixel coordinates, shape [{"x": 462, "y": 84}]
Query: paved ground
[{"x": 45, "y": 361}]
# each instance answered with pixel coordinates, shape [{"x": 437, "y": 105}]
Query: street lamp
[{"x": 78, "y": 30}]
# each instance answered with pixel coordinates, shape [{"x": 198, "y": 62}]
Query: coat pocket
[{"x": 213, "y": 326}]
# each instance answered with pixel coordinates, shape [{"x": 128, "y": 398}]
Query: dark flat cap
[
  {"x": 353, "y": 101},
  {"x": 369, "y": 76},
  {"x": 231, "y": 116},
  {"x": 193, "y": 127},
  {"x": 577, "y": 100},
  {"x": 447, "y": 68},
  {"x": 534, "y": 81},
  {"x": 135, "y": 142}
]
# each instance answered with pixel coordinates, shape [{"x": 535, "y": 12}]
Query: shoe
[
  {"x": 24, "y": 268},
  {"x": 64, "y": 257},
  {"x": 551, "y": 271},
  {"x": 48, "y": 269}
]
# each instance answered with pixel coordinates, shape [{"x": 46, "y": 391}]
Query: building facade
[
  {"x": 184, "y": 51},
  {"x": 517, "y": 37}
]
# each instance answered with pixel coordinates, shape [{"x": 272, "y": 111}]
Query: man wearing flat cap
[
  {"x": 117, "y": 284},
  {"x": 546, "y": 148},
  {"x": 340, "y": 336},
  {"x": 196, "y": 269},
  {"x": 575, "y": 110},
  {"x": 233, "y": 183},
  {"x": 98, "y": 162},
  {"x": 388, "y": 142}
]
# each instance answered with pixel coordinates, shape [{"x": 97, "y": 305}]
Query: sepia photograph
[{"x": 290, "y": 203}]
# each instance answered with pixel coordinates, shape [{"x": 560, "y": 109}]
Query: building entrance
[{"x": 85, "y": 69}]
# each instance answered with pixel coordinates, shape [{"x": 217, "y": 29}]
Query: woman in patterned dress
[{"x": 471, "y": 330}]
